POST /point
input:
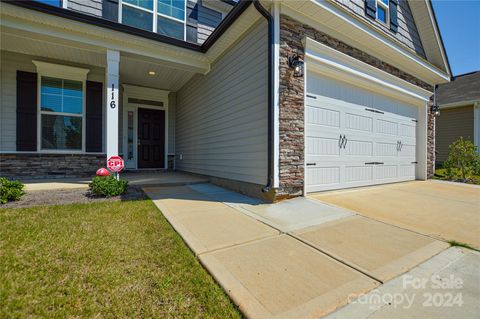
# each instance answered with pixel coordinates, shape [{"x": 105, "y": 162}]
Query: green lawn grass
[{"x": 102, "y": 260}]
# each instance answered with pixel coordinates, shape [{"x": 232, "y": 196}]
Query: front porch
[
  {"x": 68, "y": 105},
  {"x": 141, "y": 178}
]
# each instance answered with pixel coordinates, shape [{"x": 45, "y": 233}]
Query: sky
[{"x": 459, "y": 23}]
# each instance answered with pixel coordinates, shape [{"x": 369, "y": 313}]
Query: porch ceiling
[
  {"x": 134, "y": 69},
  {"x": 49, "y": 48}
]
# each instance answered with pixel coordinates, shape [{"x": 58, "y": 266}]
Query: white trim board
[
  {"x": 330, "y": 19},
  {"x": 344, "y": 67},
  {"x": 132, "y": 91},
  {"x": 61, "y": 71}
]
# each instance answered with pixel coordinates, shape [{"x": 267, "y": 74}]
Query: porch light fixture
[
  {"x": 296, "y": 64},
  {"x": 151, "y": 73},
  {"x": 435, "y": 109}
]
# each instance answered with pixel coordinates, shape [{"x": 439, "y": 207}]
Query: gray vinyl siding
[
  {"x": 407, "y": 30},
  {"x": 451, "y": 125},
  {"x": 208, "y": 20},
  {"x": 221, "y": 118},
  {"x": 93, "y": 7},
  {"x": 10, "y": 63}
]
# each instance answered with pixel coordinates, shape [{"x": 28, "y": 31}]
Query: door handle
[
  {"x": 340, "y": 141},
  {"x": 345, "y": 141},
  {"x": 311, "y": 164}
]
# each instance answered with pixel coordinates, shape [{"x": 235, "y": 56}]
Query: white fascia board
[
  {"x": 325, "y": 60},
  {"x": 105, "y": 39},
  {"x": 437, "y": 34},
  {"x": 339, "y": 16}
]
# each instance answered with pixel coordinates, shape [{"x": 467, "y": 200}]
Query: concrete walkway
[
  {"x": 444, "y": 287},
  {"x": 266, "y": 273},
  {"x": 294, "y": 259},
  {"x": 449, "y": 211}
]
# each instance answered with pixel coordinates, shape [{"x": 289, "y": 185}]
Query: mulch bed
[{"x": 71, "y": 196}]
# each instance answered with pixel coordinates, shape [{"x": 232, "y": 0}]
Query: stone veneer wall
[
  {"x": 292, "y": 122},
  {"x": 33, "y": 166},
  {"x": 430, "y": 144}
]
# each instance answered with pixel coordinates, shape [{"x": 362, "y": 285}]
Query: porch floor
[{"x": 140, "y": 178}]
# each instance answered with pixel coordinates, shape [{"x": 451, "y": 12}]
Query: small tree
[{"x": 462, "y": 158}]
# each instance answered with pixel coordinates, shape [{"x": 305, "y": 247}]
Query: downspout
[{"x": 270, "y": 164}]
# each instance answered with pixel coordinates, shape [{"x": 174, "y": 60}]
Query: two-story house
[{"x": 270, "y": 98}]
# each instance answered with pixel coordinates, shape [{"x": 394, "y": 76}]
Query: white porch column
[{"x": 113, "y": 60}]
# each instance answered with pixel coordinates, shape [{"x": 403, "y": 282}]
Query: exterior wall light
[
  {"x": 434, "y": 107},
  {"x": 296, "y": 64}
]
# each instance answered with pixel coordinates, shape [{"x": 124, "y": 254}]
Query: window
[
  {"x": 382, "y": 10},
  {"x": 56, "y": 3},
  {"x": 61, "y": 114},
  {"x": 165, "y": 17}
]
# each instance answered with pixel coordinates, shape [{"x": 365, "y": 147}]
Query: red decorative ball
[{"x": 103, "y": 172}]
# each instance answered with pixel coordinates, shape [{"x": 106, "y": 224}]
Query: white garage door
[{"x": 356, "y": 137}]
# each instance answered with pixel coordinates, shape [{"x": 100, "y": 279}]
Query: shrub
[
  {"x": 463, "y": 159},
  {"x": 10, "y": 190},
  {"x": 107, "y": 186}
]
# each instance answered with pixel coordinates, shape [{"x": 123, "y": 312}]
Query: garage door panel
[
  {"x": 408, "y": 150},
  {"x": 407, "y": 170},
  {"x": 387, "y": 127},
  {"x": 388, "y": 149},
  {"x": 322, "y": 146},
  {"x": 358, "y": 173},
  {"x": 386, "y": 172},
  {"x": 358, "y": 147},
  {"x": 355, "y": 137},
  {"x": 358, "y": 122},
  {"x": 323, "y": 177},
  {"x": 405, "y": 130},
  {"x": 323, "y": 116}
]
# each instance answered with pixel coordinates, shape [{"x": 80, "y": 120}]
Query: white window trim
[
  {"x": 155, "y": 14},
  {"x": 63, "y": 72},
  {"x": 387, "y": 11}
]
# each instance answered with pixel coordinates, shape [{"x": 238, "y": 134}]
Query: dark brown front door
[{"x": 151, "y": 138}]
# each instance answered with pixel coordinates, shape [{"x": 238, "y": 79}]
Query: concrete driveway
[
  {"x": 304, "y": 258},
  {"x": 448, "y": 211}
]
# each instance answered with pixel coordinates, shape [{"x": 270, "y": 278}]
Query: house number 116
[{"x": 112, "y": 102}]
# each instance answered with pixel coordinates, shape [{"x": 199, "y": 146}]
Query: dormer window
[{"x": 382, "y": 10}]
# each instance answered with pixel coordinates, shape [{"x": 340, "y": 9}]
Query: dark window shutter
[
  {"x": 393, "y": 6},
  {"x": 371, "y": 8},
  {"x": 94, "y": 117},
  {"x": 26, "y": 111}
]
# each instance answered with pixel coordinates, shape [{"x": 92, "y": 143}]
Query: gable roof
[
  {"x": 427, "y": 26},
  {"x": 463, "y": 89}
]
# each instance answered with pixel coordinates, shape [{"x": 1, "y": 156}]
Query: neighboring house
[
  {"x": 281, "y": 99},
  {"x": 459, "y": 105}
]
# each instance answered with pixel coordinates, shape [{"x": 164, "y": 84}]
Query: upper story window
[
  {"x": 382, "y": 10},
  {"x": 56, "y": 3},
  {"x": 166, "y": 17}
]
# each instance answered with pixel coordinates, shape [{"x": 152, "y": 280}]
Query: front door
[{"x": 151, "y": 138}]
